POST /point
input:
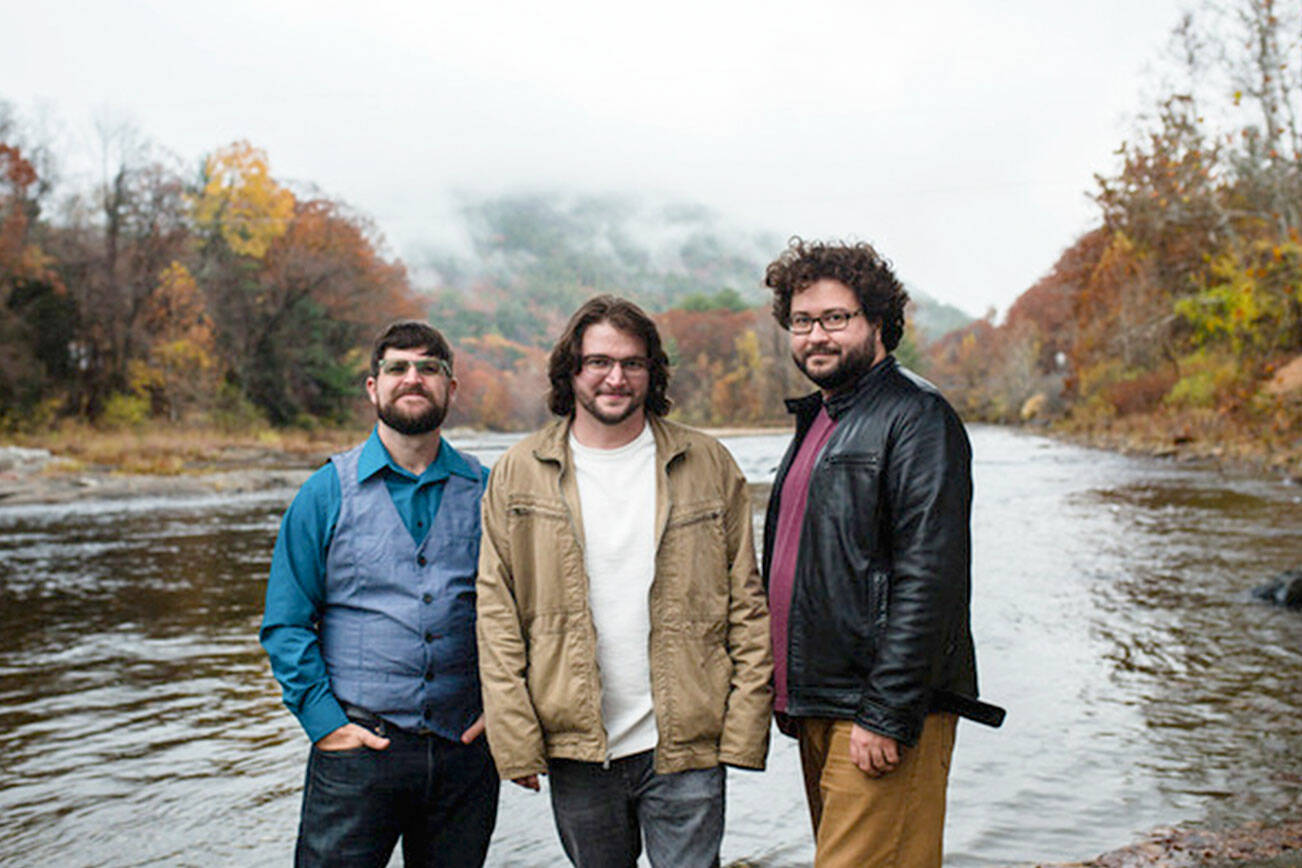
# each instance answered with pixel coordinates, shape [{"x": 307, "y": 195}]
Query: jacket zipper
[{"x": 578, "y": 539}]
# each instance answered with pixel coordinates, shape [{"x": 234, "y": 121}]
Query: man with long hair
[
  {"x": 369, "y": 625},
  {"x": 623, "y": 636}
]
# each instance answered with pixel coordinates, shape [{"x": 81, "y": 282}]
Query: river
[{"x": 139, "y": 724}]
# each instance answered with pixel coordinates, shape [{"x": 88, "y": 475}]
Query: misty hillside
[{"x": 533, "y": 258}]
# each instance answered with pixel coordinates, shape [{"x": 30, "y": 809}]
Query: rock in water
[{"x": 1284, "y": 590}]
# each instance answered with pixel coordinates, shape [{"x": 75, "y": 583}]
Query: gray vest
[{"x": 398, "y": 627}]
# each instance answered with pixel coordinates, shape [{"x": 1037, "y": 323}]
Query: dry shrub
[{"x": 1141, "y": 392}]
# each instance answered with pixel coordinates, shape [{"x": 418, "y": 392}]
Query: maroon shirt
[{"x": 786, "y": 544}]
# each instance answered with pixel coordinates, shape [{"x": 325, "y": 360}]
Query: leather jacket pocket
[{"x": 851, "y": 485}]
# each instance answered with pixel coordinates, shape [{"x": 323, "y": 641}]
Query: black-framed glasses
[
  {"x": 603, "y": 365},
  {"x": 831, "y": 321},
  {"x": 424, "y": 367}
]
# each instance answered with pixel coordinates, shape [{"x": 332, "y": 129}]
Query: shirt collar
[{"x": 375, "y": 458}]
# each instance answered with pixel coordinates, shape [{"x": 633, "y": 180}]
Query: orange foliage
[
  {"x": 328, "y": 255},
  {"x": 1050, "y": 306},
  {"x": 19, "y": 258},
  {"x": 726, "y": 373}
]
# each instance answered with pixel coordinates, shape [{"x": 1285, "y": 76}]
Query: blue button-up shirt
[{"x": 296, "y": 586}]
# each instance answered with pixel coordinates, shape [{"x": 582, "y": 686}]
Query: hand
[
  {"x": 529, "y": 782},
  {"x": 349, "y": 736},
  {"x": 475, "y": 731},
  {"x": 875, "y": 754}
]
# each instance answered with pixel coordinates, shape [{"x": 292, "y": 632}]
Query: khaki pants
[{"x": 894, "y": 821}]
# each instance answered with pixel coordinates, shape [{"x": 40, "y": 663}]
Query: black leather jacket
[{"x": 879, "y": 628}]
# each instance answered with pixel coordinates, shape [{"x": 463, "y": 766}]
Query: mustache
[
  {"x": 413, "y": 390},
  {"x": 822, "y": 348}
]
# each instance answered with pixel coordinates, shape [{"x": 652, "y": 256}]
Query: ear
[
  {"x": 879, "y": 348},
  {"x": 452, "y": 389},
  {"x": 370, "y": 390}
]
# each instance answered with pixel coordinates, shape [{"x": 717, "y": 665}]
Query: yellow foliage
[
  {"x": 241, "y": 201},
  {"x": 748, "y": 351},
  {"x": 180, "y": 368},
  {"x": 1093, "y": 378},
  {"x": 1247, "y": 300}
]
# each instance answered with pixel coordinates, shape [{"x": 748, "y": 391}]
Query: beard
[
  {"x": 410, "y": 424},
  {"x": 854, "y": 362},
  {"x": 605, "y": 417}
]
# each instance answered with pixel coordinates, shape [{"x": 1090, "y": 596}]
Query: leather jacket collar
[{"x": 806, "y": 407}]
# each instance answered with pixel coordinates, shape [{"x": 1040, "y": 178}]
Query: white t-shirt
[{"x": 617, "y": 495}]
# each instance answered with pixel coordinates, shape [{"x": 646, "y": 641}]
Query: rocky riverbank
[
  {"x": 1249, "y": 846},
  {"x": 1234, "y": 456}
]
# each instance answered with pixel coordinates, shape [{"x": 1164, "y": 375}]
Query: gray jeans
[{"x": 602, "y": 814}]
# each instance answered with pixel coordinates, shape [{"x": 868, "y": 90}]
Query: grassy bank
[
  {"x": 170, "y": 450},
  {"x": 1269, "y": 446}
]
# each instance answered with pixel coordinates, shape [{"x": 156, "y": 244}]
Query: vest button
[
  {"x": 429, "y": 675},
  {"x": 420, "y": 559},
  {"x": 429, "y": 637},
  {"x": 427, "y": 598}
]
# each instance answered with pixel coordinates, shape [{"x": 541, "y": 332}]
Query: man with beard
[
  {"x": 867, "y": 564},
  {"x": 623, "y": 638},
  {"x": 369, "y": 625}
]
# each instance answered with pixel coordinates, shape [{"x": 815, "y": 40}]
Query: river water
[{"x": 139, "y": 724}]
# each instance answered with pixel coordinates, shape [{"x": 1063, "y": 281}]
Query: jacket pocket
[
  {"x": 850, "y": 486},
  {"x": 699, "y": 683},
  {"x": 556, "y": 676},
  {"x": 539, "y": 534},
  {"x": 693, "y": 555},
  {"x": 854, "y": 459}
]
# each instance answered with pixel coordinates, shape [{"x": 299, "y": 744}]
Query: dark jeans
[
  {"x": 602, "y": 813},
  {"x": 438, "y": 796}
]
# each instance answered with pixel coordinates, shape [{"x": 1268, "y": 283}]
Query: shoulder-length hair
[{"x": 567, "y": 355}]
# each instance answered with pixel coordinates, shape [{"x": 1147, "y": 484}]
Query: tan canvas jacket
[{"x": 710, "y": 657}]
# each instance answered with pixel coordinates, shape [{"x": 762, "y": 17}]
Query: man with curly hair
[
  {"x": 623, "y": 635},
  {"x": 867, "y": 564}
]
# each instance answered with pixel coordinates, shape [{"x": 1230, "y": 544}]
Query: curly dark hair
[
  {"x": 568, "y": 352},
  {"x": 858, "y": 266},
  {"x": 410, "y": 334}
]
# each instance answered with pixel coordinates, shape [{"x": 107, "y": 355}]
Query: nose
[{"x": 616, "y": 374}]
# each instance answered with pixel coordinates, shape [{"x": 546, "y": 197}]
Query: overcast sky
[{"x": 960, "y": 138}]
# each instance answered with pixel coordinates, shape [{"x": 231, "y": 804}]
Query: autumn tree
[
  {"x": 323, "y": 292},
  {"x": 295, "y": 287},
  {"x": 239, "y": 202},
  {"x": 36, "y": 318},
  {"x": 114, "y": 259},
  {"x": 179, "y": 369}
]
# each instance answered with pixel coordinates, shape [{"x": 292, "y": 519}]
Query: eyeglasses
[
  {"x": 832, "y": 321},
  {"x": 632, "y": 366},
  {"x": 424, "y": 367}
]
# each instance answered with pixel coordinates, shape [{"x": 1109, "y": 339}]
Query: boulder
[
  {"x": 20, "y": 460},
  {"x": 1284, "y": 590}
]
